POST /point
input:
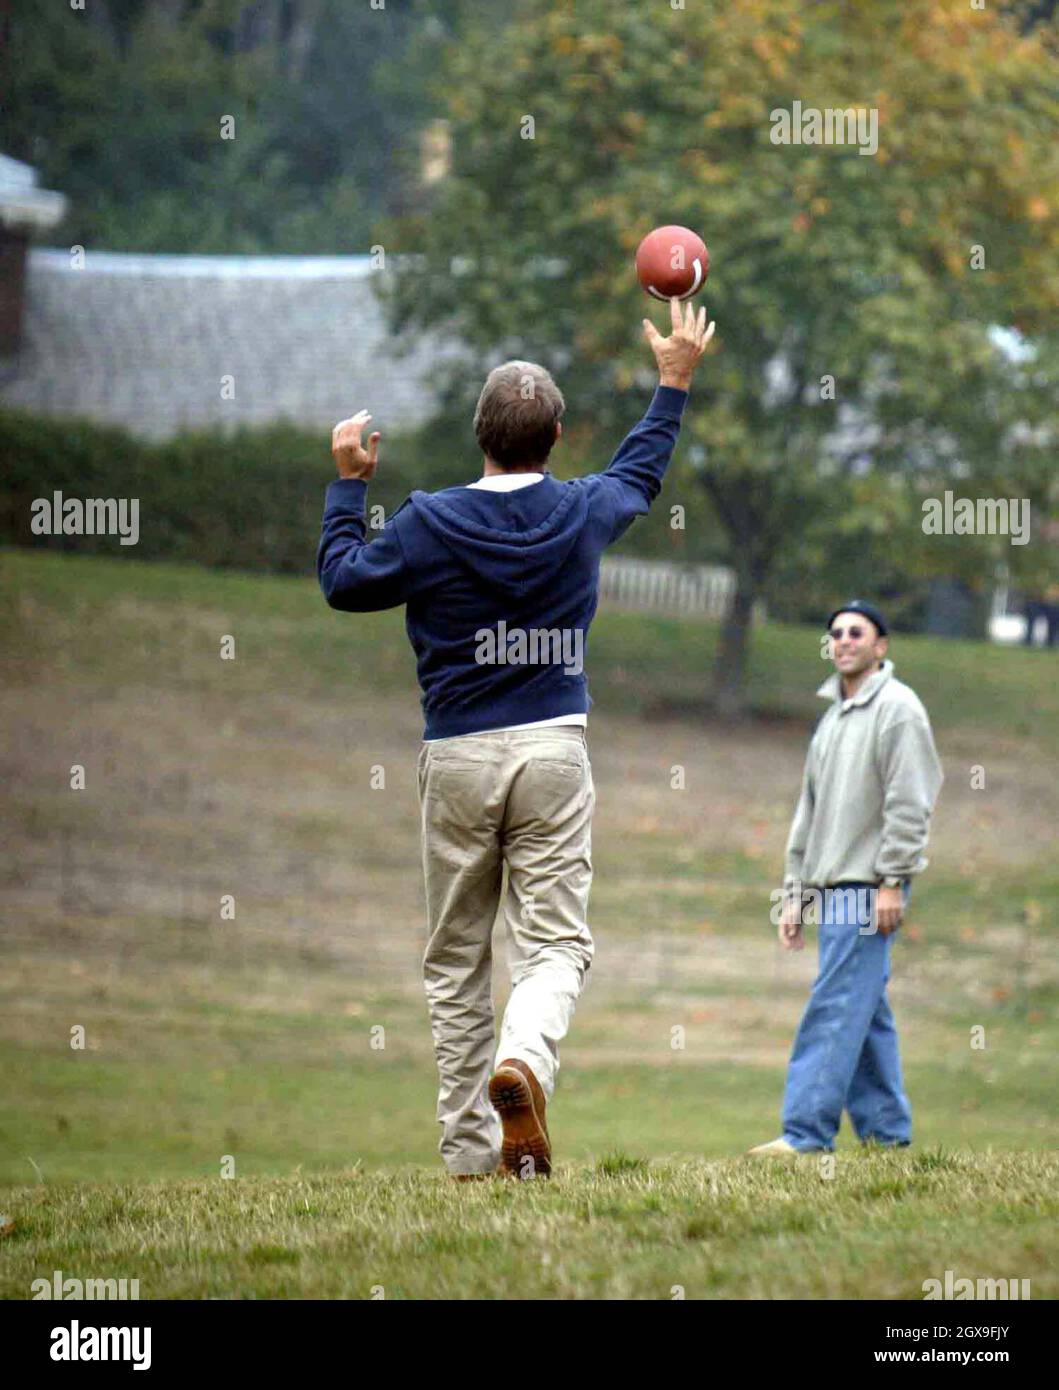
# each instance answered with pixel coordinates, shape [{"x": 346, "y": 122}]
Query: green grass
[
  {"x": 877, "y": 1228},
  {"x": 88, "y": 1118},
  {"x": 635, "y": 662},
  {"x": 251, "y": 1038}
]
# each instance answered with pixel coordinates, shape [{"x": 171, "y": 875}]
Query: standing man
[
  {"x": 871, "y": 779},
  {"x": 1046, "y": 607},
  {"x": 500, "y": 582}
]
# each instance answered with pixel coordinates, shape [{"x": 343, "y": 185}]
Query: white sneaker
[{"x": 778, "y": 1148}]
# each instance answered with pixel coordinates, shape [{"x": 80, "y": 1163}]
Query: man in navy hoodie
[{"x": 500, "y": 582}]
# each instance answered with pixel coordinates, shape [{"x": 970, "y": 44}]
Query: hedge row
[{"x": 251, "y": 500}]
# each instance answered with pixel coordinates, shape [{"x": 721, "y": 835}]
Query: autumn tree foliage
[{"x": 857, "y": 366}]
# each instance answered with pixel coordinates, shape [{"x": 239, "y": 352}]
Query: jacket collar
[
  {"x": 832, "y": 687},
  {"x": 506, "y": 482}
]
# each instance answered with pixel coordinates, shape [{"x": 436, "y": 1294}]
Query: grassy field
[
  {"x": 250, "y": 1041},
  {"x": 617, "y": 1229}
]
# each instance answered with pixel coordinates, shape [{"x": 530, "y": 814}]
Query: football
[{"x": 672, "y": 261}]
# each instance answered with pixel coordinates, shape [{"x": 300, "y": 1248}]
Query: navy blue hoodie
[{"x": 475, "y": 568}]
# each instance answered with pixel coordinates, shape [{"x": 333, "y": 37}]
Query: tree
[
  {"x": 582, "y": 127},
  {"x": 120, "y": 107}
]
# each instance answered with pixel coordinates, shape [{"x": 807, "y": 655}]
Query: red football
[{"x": 672, "y": 261}]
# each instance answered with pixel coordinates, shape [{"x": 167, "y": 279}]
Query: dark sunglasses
[{"x": 837, "y": 633}]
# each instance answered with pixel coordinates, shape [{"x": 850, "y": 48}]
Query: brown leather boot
[{"x": 516, "y": 1095}]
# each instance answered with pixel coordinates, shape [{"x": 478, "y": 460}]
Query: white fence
[
  {"x": 660, "y": 586},
  {"x": 1007, "y": 619}
]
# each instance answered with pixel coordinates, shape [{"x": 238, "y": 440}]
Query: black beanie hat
[{"x": 860, "y": 605}]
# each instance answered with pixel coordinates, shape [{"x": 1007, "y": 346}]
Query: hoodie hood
[{"x": 518, "y": 541}]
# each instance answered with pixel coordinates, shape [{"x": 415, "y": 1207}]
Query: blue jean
[{"x": 845, "y": 1053}]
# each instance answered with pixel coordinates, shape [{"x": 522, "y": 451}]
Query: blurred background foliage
[{"x": 120, "y": 106}]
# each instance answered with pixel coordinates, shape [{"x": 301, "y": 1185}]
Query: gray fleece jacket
[{"x": 871, "y": 779}]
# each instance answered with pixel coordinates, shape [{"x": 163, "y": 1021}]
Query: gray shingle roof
[{"x": 144, "y": 342}]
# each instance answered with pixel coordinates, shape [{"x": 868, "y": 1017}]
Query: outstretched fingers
[{"x": 350, "y": 430}]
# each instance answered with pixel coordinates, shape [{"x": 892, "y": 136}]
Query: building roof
[{"x": 147, "y": 342}]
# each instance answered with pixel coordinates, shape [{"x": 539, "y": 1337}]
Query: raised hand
[
  {"x": 352, "y": 459},
  {"x": 678, "y": 355}
]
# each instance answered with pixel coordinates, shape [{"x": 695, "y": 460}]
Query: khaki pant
[{"x": 525, "y": 798}]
